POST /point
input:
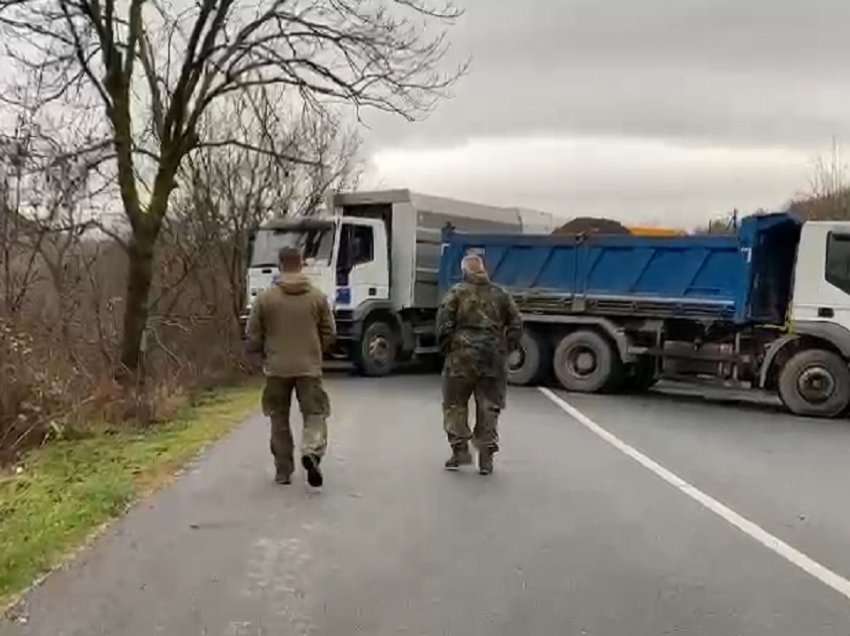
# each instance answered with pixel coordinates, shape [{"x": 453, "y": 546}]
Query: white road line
[{"x": 790, "y": 554}]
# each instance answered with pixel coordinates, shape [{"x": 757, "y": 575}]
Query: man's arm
[
  {"x": 447, "y": 320},
  {"x": 513, "y": 322},
  {"x": 255, "y": 331},
  {"x": 327, "y": 326}
]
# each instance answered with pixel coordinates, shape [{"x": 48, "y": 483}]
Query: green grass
[{"x": 68, "y": 490}]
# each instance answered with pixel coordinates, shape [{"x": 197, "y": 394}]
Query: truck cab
[
  {"x": 822, "y": 276},
  {"x": 346, "y": 258}
]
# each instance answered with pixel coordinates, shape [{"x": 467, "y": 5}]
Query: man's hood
[{"x": 294, "y": 284}]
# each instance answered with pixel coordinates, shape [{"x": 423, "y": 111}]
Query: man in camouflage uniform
[{"x": 478, "y": 324}]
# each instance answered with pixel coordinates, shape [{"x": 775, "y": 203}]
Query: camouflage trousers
[
  {"x": 489, "y": 394},
  {"x": 315, "y": 410}
]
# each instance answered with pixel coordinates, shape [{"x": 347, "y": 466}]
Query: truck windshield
[{"x": 316, "y": 245}]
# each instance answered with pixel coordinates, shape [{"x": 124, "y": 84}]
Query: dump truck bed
[{"x": 739, "y": 278}]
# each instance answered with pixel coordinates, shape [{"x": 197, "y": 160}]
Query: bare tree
[
  {"x": 42, "y": 188},
  {"x": 828, "y": 197},
  {"x": 724, "y": 224},
  {"x": 227, "y": 192},
  {"x": 157, "y": 68}
]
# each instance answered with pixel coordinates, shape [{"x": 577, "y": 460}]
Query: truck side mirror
[{"x": 249, "y": 248}]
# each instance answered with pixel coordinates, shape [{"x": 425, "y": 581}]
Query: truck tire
[
  {"x": 377, "y": 350},
  {"x": 640, "y": 376},
  {"x": 530, "y": 362},
  {"x": 815, "y": 383},
  {"x": 586, "y": 362}
]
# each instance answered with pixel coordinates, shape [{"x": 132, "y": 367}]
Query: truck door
[
  {"x": 362, "y": 273},
  {"x": 822, "y": 281}
]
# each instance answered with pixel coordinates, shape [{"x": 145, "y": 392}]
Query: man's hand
[
  {"x": 255, "y": 338},
  {"x": 446, "y": 321},
  {"x": 254, "y": 359}
]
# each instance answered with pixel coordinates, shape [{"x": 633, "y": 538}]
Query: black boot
[
  {"x": 485, "y": 461},
  {"x": 314, "y": 475},
  {"x": 283, "y": 473},
  {"x": 460, "y": 457}
]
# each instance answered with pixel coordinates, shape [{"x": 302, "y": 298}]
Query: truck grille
[{"x": 344, "y": 319}]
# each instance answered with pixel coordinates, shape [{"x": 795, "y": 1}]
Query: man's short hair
[{"x": 289, "y": 257}]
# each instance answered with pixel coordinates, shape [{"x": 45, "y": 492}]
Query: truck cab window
[
  {"x": 362, "y": 247},
  {"x": 838, "y": 261},
  {"x": 356, "y": 247}
]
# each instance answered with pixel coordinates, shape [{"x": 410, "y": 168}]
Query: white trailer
[{"x": 376, "y": 255}]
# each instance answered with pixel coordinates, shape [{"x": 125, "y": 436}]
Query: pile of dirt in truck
[
  {"x": 592, "y": 225},
  {"x": 600, "y": 225}
]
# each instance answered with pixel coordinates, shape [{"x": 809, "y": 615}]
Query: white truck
[{"x": 376, "y": 255}]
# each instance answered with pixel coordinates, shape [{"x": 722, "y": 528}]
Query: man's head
[
  {"x": 289, "y": 259},
  {"x": 472, "y": 265}
]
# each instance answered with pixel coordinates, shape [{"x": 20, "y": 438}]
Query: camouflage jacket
[{"x": 477, "y": 325}]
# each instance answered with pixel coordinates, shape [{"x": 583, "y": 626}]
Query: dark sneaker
[
  {"x": 485, "y": 462},
  {"x": 460, "y": 457},
  {"x": 283, "y": 478},
  {"x": 314, "y": 475}
]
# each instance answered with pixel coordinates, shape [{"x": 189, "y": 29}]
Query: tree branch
[{"x": 236, "y": 143}]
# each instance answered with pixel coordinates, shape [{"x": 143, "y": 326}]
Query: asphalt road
[{"x": 569, "y": 536}]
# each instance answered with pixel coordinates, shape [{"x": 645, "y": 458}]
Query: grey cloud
[
  {"x": 746, "y": 72},
  {"x": 635, "y": 181}
]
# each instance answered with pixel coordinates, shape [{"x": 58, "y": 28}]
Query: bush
[{"x": 58, "y": 351}]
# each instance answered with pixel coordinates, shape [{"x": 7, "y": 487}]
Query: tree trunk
[
  {"x": 140, "y": 251},
  {"x": 236, "y": 274},
  {"x": 139, "y": 281}
]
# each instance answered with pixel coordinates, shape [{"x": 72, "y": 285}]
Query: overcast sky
[{"x": 649, "y": 111}]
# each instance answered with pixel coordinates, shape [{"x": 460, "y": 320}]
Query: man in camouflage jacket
[
  {"x": 291, "y": 325},
  {"x": 478, "y": 324}
]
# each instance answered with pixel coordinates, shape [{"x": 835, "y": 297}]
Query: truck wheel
[
  {"x": 640, "y": 376},
  {"x": 586, "y": 362},
  {"x": 815, "y": 383},
  {"x": 528, "y": 364},
  {"x": 377, "y": 350}
]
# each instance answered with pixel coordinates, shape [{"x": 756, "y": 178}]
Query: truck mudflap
[{"x": 770, "y": 357}]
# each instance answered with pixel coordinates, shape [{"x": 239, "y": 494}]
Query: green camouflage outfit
[{"x": 478, "y": 324}]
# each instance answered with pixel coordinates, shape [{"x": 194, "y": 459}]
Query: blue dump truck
[{"x": 767, "y": 308}]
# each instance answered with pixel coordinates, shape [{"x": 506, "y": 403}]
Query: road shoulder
[{"x": 62, "y": 496}]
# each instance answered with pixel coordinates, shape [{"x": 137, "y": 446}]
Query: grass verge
[{"x": 67, "y": 490}]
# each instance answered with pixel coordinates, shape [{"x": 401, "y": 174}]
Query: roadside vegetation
[{"x": 56, "y": 497}]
